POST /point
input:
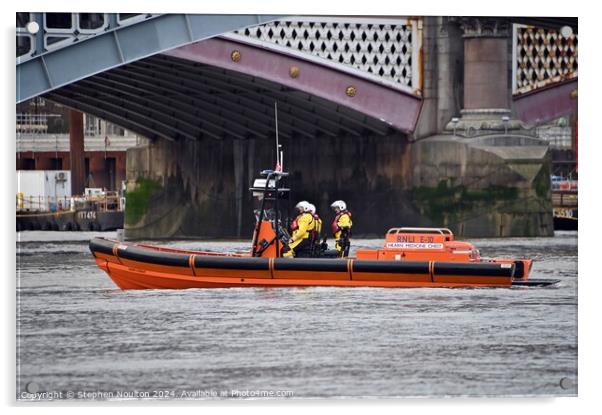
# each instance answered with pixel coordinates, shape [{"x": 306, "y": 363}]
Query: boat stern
[{"x": 523, "y": 269}]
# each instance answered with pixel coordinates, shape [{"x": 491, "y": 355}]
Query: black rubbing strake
[
  {"x": 101, "y": 245},
  {"x": 391, "y": 267},
  {"x": 310, "y": 264},
  {"x": 152, "y": 256},
  {"x": 471, "y": 270},
  {"x": 228, "y": 262}
]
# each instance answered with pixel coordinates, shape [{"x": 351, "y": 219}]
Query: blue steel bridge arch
[{"x": 49, "y": 68}]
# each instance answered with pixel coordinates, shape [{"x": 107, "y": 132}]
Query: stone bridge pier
[{"x": 484, "y": 173}]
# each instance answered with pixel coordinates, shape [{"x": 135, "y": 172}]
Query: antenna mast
[{"x": 277, "y": 145}]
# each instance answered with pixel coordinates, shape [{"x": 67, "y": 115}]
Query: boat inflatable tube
[
  {"x": 237, "y": 263},
  {"x": 306, "y": 268},
  {"x": 480, "y": 270},
  {"x": 149, "y": 256},
  {"x": 310, "y": 264},
  {"x": 391, "y": 267},
  {"x": 101, "y": 245}
]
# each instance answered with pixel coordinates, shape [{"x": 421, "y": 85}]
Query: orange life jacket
[{"x": 335, "y": 224}]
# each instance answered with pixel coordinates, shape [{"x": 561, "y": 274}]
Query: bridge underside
[{"x": 172, "y": 98}]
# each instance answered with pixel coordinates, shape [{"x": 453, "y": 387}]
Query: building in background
[{"x": 42, "y": 132}]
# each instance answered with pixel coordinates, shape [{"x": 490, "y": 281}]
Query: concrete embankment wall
[
  {"x": 488, "y": 186},
  {"x": 475, "y": 187}
]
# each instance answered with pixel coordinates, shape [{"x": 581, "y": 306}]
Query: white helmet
[
  {"x": 303, "y": 206},
  {"x": 312, "y": 208},
  {"x": 340, "y": 204}
]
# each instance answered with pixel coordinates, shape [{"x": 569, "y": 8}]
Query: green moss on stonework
[
  {"x": 138, "y": 199},
  {"x": 450, "y": 201}
]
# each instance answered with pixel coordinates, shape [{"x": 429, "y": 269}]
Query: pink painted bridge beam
[{"x": 548, "y": 103}]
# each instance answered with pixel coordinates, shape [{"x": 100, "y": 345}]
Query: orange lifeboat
[
  {"x": 410, "y": 257},
  {"x": 437, "y": 261}
]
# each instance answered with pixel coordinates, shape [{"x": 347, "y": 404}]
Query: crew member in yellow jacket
[
  {"x": 302, "y": 228},
  {"x": 341, "y": 227},
  {"x": 317, "y": 234}
]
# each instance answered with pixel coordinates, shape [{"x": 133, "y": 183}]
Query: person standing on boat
[
  {"x": 316, "y": 235},
  {"x": 318, "y": 226},
  {"x": 302, "y": 228},
  {"x": 341, "y": 227}
]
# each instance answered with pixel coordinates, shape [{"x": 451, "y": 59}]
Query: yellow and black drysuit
[
  {"x": 302, "y": 228},
  {"x": 341, "y": 229},
  {"x": 317, "y": 227}
]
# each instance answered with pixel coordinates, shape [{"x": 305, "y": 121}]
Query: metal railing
[
  {"x": 109, "y": 201},
  {"x": 60, "y": 142},
  {"x": 564, "y": 199},
  {"x": 43, "y": 203}
]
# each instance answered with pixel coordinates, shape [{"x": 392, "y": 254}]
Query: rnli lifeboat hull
[
  {"x": 128, "y": 278},
  {"x": 133, "y": 266}
]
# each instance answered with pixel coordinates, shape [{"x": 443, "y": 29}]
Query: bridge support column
[
  {"x": 485, "y": 67},
  {"x": 486, "y": 78},
  {"x": 239, "y": 188},
  {"x": 76, "y": 148}
]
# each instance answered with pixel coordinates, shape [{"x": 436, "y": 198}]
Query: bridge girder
[{"x": 120, "y": 45}]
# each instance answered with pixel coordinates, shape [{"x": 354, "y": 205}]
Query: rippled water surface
[{"x": 79, "y": 336}]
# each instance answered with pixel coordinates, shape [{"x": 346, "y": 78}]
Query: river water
[{"x": 80, "y": 337}]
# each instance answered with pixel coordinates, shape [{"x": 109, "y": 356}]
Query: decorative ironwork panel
[
  {"x": 542, "y": 57},
  {"x": 382, "y": 48}
]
